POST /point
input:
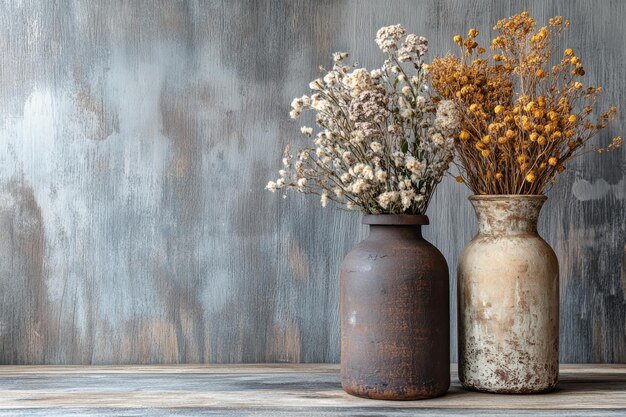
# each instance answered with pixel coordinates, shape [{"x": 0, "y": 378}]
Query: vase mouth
[
  {"x": 396, "y": 219},
  {"x": 501, "y": 197}
]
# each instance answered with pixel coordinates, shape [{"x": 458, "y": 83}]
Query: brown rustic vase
[
  {"x": 394, "y": 313},
  {"x": 508, "y": 294}
]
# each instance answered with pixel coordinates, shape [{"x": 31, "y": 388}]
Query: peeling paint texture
[{"x": 135, "y": 141}]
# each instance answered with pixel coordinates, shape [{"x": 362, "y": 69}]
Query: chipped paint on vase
[{"x": 508, "y": 295}]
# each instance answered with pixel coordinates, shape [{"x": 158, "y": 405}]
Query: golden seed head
[
  {"x": 486, "y": 139},
  {"x": 541, "y": 140},
  {"x": 569, "y": 52},
  {"x": 458, "y": 39},
  {"x": 578, "y": 85},
  {"x": 530, "y": 177},
  {"x": 510, "y": 134},
  {"x": 459, "y": 179},
  {"x": 498, "y": 109},
  {"x": 485, "y": 152},
  {"x": 572, "y": 118},
  {"x": 499, "y": 176},
  {"x": 502, "y": 140},
  {"x": 553, "y": 161},
  {"x": 464, "y": 135}
]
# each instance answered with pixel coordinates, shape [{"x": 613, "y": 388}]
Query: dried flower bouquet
[
  {"x": 523, "y": 116},
  {"x": 382, "y": 144}
]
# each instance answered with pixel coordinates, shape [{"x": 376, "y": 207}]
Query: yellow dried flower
[
  {"x": 575, "y": 60},
  {"x": 499, "y": 176},
  {"x": 560, "y": 169},
  {"x": 486, "y": 139},
  {"x": 569, "y": 52},
  {"x": 472, "y": 33},
  {"x": 530, "y": 177},
  {"x": 498, "y": 109},
  {"x": 458, "y": 39},
  {"x": 578, "y": 85},
  {"x": 572, "y": 118},
  {"x": 510, "y": 134},
  {"x": 541, "y": 140},
  {"x": 459, "y": 179},
  {"x": 485, "y": 152},
  {"x": 464, "y": 135},
  {"x": 553, "y": 161},
  {"x": 502, "y": 140},
  {"x": 540, "y": 73}
]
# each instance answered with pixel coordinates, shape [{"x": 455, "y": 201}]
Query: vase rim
[
  {"x": 395, "y": 219},
  {"x": 499, "y": 197}
]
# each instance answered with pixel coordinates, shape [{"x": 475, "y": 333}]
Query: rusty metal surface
[
  {"x": 508, "y": 303},
  {"x": 394, "y": 314}
]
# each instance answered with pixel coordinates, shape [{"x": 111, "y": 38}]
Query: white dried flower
[
  {"x": 414, "y": 165},
  {"x": 387, "y": 37},
  {"x": 376, "y": 147},
  {"x": 271, "y": 186},
  {"x": 324, "y": 199},
  {"x": 438, "y": 139},
  {"x": 339, "y": 56},
  {"x": 406, "y": 198},
  {"x": 359, "y": 186},
  {"x": 386, "y": 198},
  {"x": 381, "y": 147},
  {"x": 317, "y": 84}
]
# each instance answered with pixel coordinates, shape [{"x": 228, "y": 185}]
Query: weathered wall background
[{"x": 135, "y": 141}]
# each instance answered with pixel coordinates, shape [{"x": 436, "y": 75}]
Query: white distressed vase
[{"x": 508, "y": 295}]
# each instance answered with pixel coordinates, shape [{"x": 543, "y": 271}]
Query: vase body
[
  {"x": 508, "y": 300},
  {"x": 394, "y": 313}
]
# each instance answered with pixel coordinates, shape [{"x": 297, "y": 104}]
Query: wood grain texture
[
  {"x": 290, "y": 390},
  {"x": 135, "y": 141}
]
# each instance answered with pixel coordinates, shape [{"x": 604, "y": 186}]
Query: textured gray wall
[{"x": 135, "y": 142}]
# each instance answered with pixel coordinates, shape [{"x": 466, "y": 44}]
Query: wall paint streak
[{"x": 135, "y": 141}]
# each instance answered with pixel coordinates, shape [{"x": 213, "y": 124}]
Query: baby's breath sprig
[{"x": 382, "y": 144}]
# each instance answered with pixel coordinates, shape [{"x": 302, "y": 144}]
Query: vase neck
[
  {"x": 412, "y": 232},
  {"x": 395, "y": 226},
  {"x": 507, "y": 214}
]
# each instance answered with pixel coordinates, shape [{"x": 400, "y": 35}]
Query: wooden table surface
[{"x": 278, "y": 390}]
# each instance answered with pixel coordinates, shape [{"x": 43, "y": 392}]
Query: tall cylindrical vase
[
  {"x": 394, "y": 313},
  {"x": 508, "y": 300}
]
